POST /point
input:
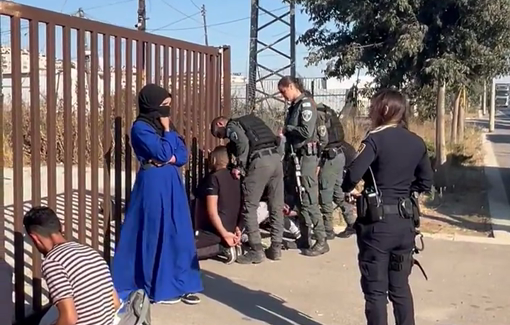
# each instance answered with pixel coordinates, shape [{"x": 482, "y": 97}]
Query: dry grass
[{"x": 462, "y": 205}]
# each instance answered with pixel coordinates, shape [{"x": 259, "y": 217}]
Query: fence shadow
[
  {"x": 254, "y": 304},
  {"x": 32, "y": 285}
]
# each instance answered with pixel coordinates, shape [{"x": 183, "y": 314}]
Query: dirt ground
[{"x": 326, "y": 291}]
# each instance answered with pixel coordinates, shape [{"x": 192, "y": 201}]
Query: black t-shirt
[{"x": 228, "y": 190}]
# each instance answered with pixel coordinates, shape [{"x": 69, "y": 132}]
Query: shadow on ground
[
  {"x": 253, "y": 304},
  {"x": 459, "y": 204}
]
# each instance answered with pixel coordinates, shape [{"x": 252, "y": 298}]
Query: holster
[
  {"x": 416, "y": 209},
  {"x": 369, "y": 207}
]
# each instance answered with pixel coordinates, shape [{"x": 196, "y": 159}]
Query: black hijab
[{"x": 150, "y": 98}]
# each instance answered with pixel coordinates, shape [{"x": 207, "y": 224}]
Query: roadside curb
[
  {"x": 499, "y": 207},
  {"x": 469, "y": 239}
]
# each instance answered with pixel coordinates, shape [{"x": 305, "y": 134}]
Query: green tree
[{"x": 410, "y": 43}]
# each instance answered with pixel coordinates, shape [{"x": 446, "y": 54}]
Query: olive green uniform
[{"x": 301, "y": 133}]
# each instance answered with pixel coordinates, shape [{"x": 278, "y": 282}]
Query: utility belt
[
  {"x": 371, "y": 210},
  {"x": 331, "y": 153},
  {"x": 308, "y": 149},
  {"x": 263, "y": 153}
]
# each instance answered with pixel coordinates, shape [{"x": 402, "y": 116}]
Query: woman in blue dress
[{"x": 156, "y": 251}]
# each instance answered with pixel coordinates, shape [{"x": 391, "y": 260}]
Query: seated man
[
  {"x": 289, "y": 211},
  {"x": 217, "y": 207},
  {"x": 70, "y": 270}
]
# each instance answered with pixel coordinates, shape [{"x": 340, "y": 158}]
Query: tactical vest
[
  {"x": 333, "y": 124},
  {"x": 259, "y": 134}
]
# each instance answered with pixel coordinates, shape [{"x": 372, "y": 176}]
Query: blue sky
[{"x": 183, "y": 21}]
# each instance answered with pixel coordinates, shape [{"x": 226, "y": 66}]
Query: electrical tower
[{"x": 255, "y": 90}]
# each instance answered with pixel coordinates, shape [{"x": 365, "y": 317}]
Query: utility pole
[
  {"x": 141, "y": 25},
  {"x": 81, "y": 14},
  {"x": 202, "y": 11},
  {"x": 492, "y": 112},
  {"x": 484, "y": 98}
]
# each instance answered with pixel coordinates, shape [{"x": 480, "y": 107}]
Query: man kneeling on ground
[
  {"x": 79, "y": 280},
  {"x": 217, "y": 210}
]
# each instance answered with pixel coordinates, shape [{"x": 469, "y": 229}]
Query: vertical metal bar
[
  {"x": 118, "y": 137},
  {"x": 139, "y": 77},
  {"x": 227, "y": 81},
  {"x": 82, "y": 139},
  {"x": 2, "y": 163},
  {"x": 51, "y": 117},
  {"x": 292, "y": 21},
  {"x": 209, "y": 99},
  {"x": 204, "y": 125},
  {"x": 107, "y": 148},
  {"x": 252, "y": 70},
  {"x": 174, "y": 79},
  {"x": 94, "y": 140},
  {"x": 196, "y": 124},
  {"x": 148, "y": 63},
  {"x": 188, "y": 99},
  {"x": 157, "y": 64},
  {"x": 35, "y": 130},
  {"x": 17, "y": 144},
  {"x": 129, "y": 120},
  {"x": 166, "y": 67},
  {"x": 68, "y": 133},
  {"x": 216, "y": 96},
  {"x": 180, "y": 97}
]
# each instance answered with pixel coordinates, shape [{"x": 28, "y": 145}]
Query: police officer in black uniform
[
  {"x": 394, "y": 164},
  {"x": 258, "y": 164}
]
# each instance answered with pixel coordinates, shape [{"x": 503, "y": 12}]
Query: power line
[
  {"x": 193, "y": 3},
  {"x": 108, "y": 4},
  {"x": 182, "y": 13},
  {"x": 173, "y": 23},
  {"x": 222, "y": 23}
]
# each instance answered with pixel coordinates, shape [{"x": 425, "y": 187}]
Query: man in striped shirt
[{"x": 78, "y": 278}]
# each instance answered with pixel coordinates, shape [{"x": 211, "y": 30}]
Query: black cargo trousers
[{"x": 385, "y": 262}]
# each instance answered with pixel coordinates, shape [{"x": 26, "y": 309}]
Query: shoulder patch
[
  {"x": 306, "y": 114},
  {"x": 231, "y": 134},
  {"x": 361, "y": 148},
  {"x": 322, "y": 130},
  {"x": 306, "y": 104}
]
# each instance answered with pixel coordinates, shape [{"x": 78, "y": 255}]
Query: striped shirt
[{"x": 73, "y": 270}]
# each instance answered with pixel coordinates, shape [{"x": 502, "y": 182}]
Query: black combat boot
[
  {"x": 320, "y": 247},
  {"x": 254, "y": 255},
  {"x": 274, "y": 252},
  {"x": 348, "y": 232}
]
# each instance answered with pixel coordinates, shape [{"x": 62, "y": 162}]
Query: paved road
[
  {"x": 500, "y": 140},
  {"x": 468, "y": 286}
]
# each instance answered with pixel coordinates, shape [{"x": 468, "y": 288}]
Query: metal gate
[{"x": 68, "y": 89}]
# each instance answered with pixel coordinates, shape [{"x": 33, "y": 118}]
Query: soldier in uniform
[
  {"x": 300, "y": 131},
  {"x": 258, "y": 164},
  {"x": 332, "y": 163}
]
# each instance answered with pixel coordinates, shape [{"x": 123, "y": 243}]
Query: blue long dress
[{"x": 156, "y": 251}]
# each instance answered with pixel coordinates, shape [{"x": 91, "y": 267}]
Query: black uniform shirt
[{"x": 398, "y": 159}]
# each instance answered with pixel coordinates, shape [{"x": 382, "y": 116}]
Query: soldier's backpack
[{"x": 136, "y": 310}]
